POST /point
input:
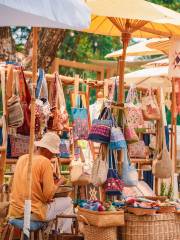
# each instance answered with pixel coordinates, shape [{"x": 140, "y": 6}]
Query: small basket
[
  {"x": 93, "y": 232},
  {"x": 102, "y": 219},
  {"x": 166, "y": 209},
  {"x": 142, "y": 211}
]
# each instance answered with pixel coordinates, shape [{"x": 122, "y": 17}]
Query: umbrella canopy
[
  {"x": 161, "y": 45},
  {"x": 160, "y": 63},
  {"x": 129, "y": 18},
  {"x": 145, "y": 19},
  {"x": 150, "y": 77},
  {"x": 45, "y": 13},
  {"x": 139, "y": 49}
]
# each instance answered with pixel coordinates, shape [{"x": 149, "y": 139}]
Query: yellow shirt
[{"x": 43, "y": 187}]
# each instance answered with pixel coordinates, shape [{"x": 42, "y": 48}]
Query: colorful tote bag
[
  {"x": 150, "y": 107},
  {"x": 133, "y": 110},
  {"x": 129, "y": 173},
  {"x": 80, "y": 121},
  {"x": 101, "y": 128},
  {"x": 117, "y": 140},
  {"x": 114, "y": 185}
]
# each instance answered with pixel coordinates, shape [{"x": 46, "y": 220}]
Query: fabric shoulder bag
[
  {"x": 100, "y": 167},
  {"x": 101, "y": 128},
  {"x": 162, "y": 166},
  {"x": 14, "y": 108},
  {"x": 114, "y": 185},
  {"x": 80, "y": 120},
  {"x": 117, "y": 140},
  {"x": 25, "y": 98},
  {"x": 129, "y": 173},
  {"x": 133, "y": 110},
  {"x": 150, "y": 107}
]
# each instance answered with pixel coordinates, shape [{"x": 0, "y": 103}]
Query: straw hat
[{"x": 50, "y": 141}]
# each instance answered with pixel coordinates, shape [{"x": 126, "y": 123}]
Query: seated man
[{"x": 44, "y": 207}]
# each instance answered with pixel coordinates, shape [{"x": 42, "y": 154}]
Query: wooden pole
[
  {"x": 125, "y": 39},
  {"x": 32, "y": 127},
  {"x": 27, "y": 208}
]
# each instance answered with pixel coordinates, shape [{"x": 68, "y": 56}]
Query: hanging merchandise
[
  {"x": 114, "y": 185},
  {"x": 162, "y": 166},
  {"x": 150, "y": 106},
  {"x": 101, "y": 128},
  {"x": 80, "y": 120},
  {"x": 130, "y": 134},
  {"x": 59, "y": 117},
  {"x": 100, "y": 167},
  {"x": 15, "y": 113},
  {"x": 138, "y": 150},
  {"x": 117, "y": 140},
  {"x": 64, "y": 148},
  {"x": 133, "y": 110},
  {"x": 25, "y": 98},
  {"x": 129, "y": 173},
  {"x": 42, "y": 108},
  {"x": 19, "y": 145},
  {"x": 79, "y": 174}
]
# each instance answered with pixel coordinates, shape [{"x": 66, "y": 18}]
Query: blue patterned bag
[
  {"x": 80, "y": 123},
  {"x": 117, "y": 141}
]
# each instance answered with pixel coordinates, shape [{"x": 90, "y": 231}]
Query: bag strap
[
  {"x": 15, "y": 85},
  {"x": 4, "y": 126},
  {"x": 25, "y": 95},
  {"x": 39, "y": 83}
]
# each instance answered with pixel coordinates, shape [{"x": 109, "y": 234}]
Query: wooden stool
[{"x": 35, "y": 234}]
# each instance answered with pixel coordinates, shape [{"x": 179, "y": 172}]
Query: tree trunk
[
  {"x": 7, "y": 45},
  {"x": 48, "y": 44}
]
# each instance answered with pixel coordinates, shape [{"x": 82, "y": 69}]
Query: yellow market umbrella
[
  {"x": 129, "y": 18},
  {"x": 138, "y": 49}
]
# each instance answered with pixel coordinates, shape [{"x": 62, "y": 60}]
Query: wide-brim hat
[{"x": 50, "y": 141}]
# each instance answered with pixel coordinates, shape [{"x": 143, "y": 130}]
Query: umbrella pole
[
  {"x": 27, "y": 208},
  {"x": 125, "y": 40}
]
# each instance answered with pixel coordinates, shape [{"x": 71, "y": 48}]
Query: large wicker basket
[
  {"x": 102, "y": 219},
  {"x": 154, "y": 227},
  {"x": 177, "y": 226}
]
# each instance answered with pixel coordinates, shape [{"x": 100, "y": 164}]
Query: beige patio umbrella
[
  {"x": 138, "y": 49},
  {"x": 161, "y": 45},
  {"x": 160, "y": 63},
  {"x": 129, "y": 18}
]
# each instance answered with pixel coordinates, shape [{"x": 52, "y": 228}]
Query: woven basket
[
  {"x": 141, "y": 211},
  {"x": 166, "y": 209},
  {"x": 102, "y": 219},
  {"x": 154, "y": 227},
  {"x": 177, "y": 226},
  {"x": 101, "y": 233},
  {"x": 93, "y": 232}
]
